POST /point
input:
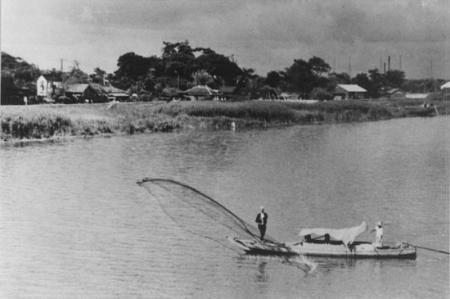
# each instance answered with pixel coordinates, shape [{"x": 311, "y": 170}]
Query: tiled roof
[
  {"x": 352, "y": 88},
  {"x": 446, "y": 85},
  {"x": 76, "y": 88}
]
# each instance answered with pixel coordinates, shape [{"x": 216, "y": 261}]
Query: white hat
[
  {"x": 379, "y": 223},
  {"x": 262, "y": 208}
]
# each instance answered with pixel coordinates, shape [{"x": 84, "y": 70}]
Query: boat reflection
[{"x": 326, "y": 264}]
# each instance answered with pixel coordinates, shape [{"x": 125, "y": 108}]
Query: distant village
[{"x": 186, "y": 73}]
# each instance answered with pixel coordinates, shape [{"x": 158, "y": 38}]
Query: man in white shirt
[{"x": 378, "y": 235}]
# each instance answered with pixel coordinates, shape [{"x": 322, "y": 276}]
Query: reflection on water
[
  {"x": 74, "y": 224},
  {"x": 262, "y": 276},
  {"x": 328, "y": 264}
]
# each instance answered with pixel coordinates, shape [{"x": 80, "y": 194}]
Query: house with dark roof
[
  {"x": 395, "y": 93},
  {"x": 110, "y": 92},
  {"x": 94, "y": 93},
  {"x": 227, "y": 92},
  {"x": 202, "y": 92}
]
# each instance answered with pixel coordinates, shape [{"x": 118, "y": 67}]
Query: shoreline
[{"x": 50, "y": 123}]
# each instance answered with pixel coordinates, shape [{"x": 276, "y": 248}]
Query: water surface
[{"x": 74, "y": 224}]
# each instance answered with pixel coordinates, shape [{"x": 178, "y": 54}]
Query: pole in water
[{"x": 430, "y": 249}]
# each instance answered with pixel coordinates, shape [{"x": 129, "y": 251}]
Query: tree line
[{"x": 182, "y": 66}]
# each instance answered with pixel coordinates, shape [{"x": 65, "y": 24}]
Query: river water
[{"x": 74, "y": 224}]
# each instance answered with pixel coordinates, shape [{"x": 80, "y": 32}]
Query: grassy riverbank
[{"x": 54, "y": 121}]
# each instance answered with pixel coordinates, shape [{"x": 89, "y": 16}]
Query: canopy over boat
[{"x": 346, "y": 235}]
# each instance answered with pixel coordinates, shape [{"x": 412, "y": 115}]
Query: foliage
[
  {"x": 75, "y": 76},
  {"x": 219, "y": 66},
  {"x": 394, "y": 78},
  {"x": 318, "y": 66},
  {"x": 176, "y": 66},
  {"x": 304, "y": 76},
  {"x": 377, "y": 82},
  {"x": 22, "y": 74},
  {"x": 99, "y": 76},
  {"x": 363, "y": 80},
  {"x": 202, "y": 77},
  {"x": 321, "y": 94},
  {"x": 274, "y": 79}
]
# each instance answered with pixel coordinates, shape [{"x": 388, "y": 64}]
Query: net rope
[{"x": 198, "y": 213}]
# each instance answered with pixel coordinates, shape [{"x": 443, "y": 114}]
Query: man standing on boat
[
  {"x": 261, "y": 219},
  {"x": 378, "y": 235}
]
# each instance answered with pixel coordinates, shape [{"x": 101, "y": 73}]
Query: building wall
[
  {"x": 42, "y": 87},
  {"x": 446, "y": 93}
]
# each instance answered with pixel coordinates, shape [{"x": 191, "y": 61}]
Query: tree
[
  {"x": 219, "y": 66},
  {"x": 75, "y": 76},
  {"x": 377, "y": 83},
  {"x": 300, "y": 76},
  {"x": 132, "y": 66},
  {"x": 321, "y": 94},
  {"x": 274, "y": 79},
  {"x": 178, "y": 59},
  {"x": 363, "y": 80},
  {"x": 55, "y": 75},
  {"x": 22, "y": 73},
  {"x": 303, "y": 75},
  {"x": 202, "y": 77},
  {"x": 318, "y": 66},
  {"x": 98, "y": 76},
  {"x": 394, "y": 78},
  {"x": 340, "y": 78}
]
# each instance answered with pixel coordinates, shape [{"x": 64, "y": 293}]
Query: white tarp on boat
[{"x": 346, "y": 235}]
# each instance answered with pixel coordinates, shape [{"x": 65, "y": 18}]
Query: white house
[
  {"x": 46, "y": 88},
  {"x": 445, "y": 88},
  {"x": 42, "y": 87},
  {"x": 349, "y": 91}
]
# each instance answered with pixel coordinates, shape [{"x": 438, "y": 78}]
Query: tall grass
[
  {"x": 47, "y": 121},
  {"x": 257, "y": 110},
  {"x": 285, "y": 112},
  {"x": 36, "y": 126}
]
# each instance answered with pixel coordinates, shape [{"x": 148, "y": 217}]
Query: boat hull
[
  {"x": 332, "y": 249},
  {"x": 358, "y": 250}
]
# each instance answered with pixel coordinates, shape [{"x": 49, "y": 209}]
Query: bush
[{"x": 321, "y": 94}]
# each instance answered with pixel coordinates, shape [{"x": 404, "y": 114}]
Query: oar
[{"x": 430, "y": 249}]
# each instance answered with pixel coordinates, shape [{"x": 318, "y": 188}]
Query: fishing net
[{"x": 198, "y": 213}]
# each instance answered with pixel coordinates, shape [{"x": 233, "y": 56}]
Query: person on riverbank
[
  {"x": 378, "y": 235},
  {"x": 261, "y": 220}
]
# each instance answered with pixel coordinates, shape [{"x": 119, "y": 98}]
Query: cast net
[{"x": 198, "y": 213}]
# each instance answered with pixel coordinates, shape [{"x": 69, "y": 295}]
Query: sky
[{"x": 351, "y": 35}]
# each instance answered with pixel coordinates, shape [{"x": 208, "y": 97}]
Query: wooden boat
[
  {"x": 356, "y": 250},
  {"x": 257, "y": 247},
  {"x": 327, "y": 249},
  {"x": 421, "y": 111}
]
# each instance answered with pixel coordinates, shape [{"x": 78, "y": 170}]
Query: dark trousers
[{"x": 262, "y": 230}]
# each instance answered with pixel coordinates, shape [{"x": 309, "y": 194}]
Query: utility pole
[
  {"x": 389, "y": 63},
  {"x": 431, "y": 74},
  {"x": 431, "y": 68},
  {"x": 350, "y": 66}
]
